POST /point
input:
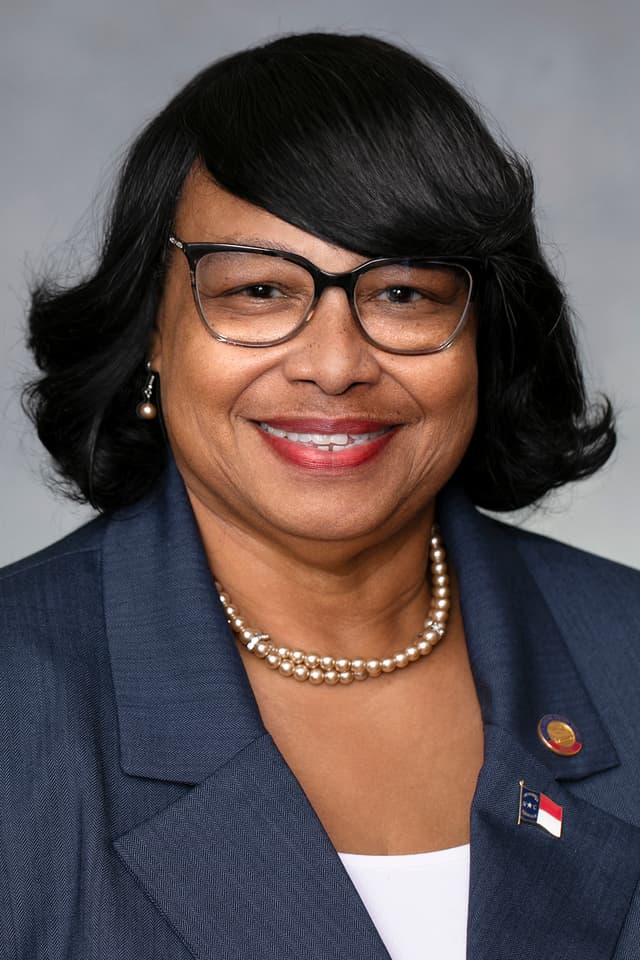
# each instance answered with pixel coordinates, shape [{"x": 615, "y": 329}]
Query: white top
[{"x": 418, "y": 902}]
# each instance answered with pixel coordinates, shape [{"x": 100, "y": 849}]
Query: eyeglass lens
[{"x": 251, "y": 298}]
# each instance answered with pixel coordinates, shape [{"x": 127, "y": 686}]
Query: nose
[{"x": 331, "y": 351}]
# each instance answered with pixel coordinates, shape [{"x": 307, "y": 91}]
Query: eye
[
  {"x": 400, "y": 295},
  {"x": 259, "y": 291}
]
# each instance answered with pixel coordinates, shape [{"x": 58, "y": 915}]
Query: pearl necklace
[{"x": 333, "y": 670}]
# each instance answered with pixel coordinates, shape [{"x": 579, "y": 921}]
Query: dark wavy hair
[{"x": 364, "y": 145}]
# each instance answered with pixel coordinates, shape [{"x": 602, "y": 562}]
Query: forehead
[{"x": 208, "y": 213}]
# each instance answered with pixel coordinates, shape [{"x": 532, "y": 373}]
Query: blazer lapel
[
  {"x": 239, "y": 866},
  {"x": 532, "y": 895}
]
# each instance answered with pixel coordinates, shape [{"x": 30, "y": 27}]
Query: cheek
[
  {"x": 204, "y": 387},
  {"x": 450, "y": 394},
  {"x": 461, "y": 394},
  {"x": 449, "y": 403},
  {"x": 184, "y": 382},
  {"x": 183, "y": 353}
]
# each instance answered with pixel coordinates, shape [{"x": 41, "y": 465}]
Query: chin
[{"x": 324, "y": 523}]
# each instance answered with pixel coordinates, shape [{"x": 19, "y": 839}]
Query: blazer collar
[
  {"x": 519, "y": 658},
  {"x": 183, "y": 701}
]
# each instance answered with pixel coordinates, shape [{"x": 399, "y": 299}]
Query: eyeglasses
[{"x": 261, "y": 297}]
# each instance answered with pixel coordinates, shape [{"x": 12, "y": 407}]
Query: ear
[{"x": 154, "y": 352}]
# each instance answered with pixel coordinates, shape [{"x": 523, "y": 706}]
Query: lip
[
  {"x": 327, "y": 424},
  {"x": 337, "y": 460}
]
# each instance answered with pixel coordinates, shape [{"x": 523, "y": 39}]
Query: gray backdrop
[{"x": 559, "y": 76}]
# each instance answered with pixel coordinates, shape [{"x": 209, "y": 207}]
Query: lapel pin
[
  {"x": 539, "y": 809},
  {"x": 559, "y": 735}
]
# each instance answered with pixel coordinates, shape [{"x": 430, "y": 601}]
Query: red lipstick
[{"x": 326, "y": 444}]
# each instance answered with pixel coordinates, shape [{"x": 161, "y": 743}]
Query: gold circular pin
[{"x": 559, "y": 735}]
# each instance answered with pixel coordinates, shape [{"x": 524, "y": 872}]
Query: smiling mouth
[{"x": 326, "y": 442}]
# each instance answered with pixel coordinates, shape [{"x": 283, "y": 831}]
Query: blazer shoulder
[
  {"x": 51, "y": 602},
  {"x": 575, "y": 566},
  {"x": 86, "y": 538},
  {"x": 596, "y": 604}
]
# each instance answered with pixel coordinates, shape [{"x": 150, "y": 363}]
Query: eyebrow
[{"x": 250, "y": 241}]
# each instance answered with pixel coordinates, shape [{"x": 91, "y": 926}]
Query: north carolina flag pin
[{"x": 539, "y": 809}]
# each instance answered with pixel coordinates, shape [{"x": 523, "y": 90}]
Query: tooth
[
  {"x": 324, "y": 441},
  {"x": 272, "y": 430}
]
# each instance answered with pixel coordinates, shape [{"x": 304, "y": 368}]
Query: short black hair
[{"x": 368, "y": 147}]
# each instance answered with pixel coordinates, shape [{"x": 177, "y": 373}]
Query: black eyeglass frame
[{"x": 322, "y": 279}]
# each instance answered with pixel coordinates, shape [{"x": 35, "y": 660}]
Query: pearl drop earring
[{"x": 146, "y": 409}]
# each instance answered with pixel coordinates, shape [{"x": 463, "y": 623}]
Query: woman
[{"x": 261, "y": 707}]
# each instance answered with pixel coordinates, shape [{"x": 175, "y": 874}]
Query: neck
[{"x": 357, "y": 599}]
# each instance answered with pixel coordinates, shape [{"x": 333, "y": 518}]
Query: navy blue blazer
[{"x": 145, "y": 812}]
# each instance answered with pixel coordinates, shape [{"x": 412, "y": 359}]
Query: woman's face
[{"x": 225, "y": 407}]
